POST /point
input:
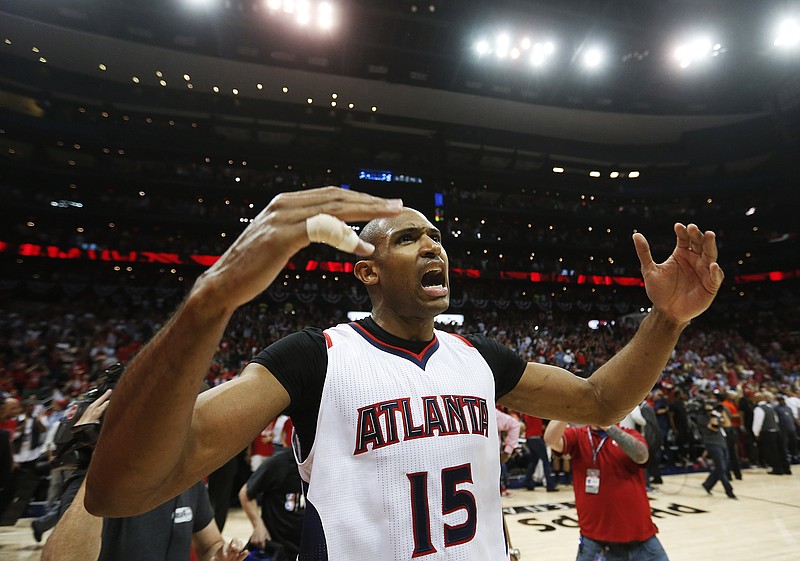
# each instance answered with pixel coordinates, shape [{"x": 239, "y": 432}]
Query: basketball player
[{"x": 394, "y": 436}]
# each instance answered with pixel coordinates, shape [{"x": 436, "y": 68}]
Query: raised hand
[
  {"x": 686, "y": 283},
  {"x": 280, "y": 230}
]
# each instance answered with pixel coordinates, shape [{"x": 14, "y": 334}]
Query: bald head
[{"x": 375, "y": 230}]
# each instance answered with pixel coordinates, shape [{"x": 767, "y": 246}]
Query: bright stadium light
[
  {"x": 501, "y": 45},
  {"x": 200, "y": 3},
  {"x": 274, "y": 4},
  {"x": 303, "y": 8},
  {"x": 593, "y": 57},
  {"x": 325, "y": 15},
  {"x": 482, "y": 47},
  {"x": 695, "y": 51},
  {"x": 788, "y": 34}
]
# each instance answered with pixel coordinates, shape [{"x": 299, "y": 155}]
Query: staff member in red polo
[{"x": 610, "y": 496}]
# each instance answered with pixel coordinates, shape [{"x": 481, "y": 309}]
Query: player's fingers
[
  {"x": 695, "y": 238},
  {"x": 324, "y": 228},
  {"x": 341, "y": 203},
  {"x": 717, "y": 275},
  {"x": 709, "y": 246},
  {"x": 682, "y": 236},
  {"x": 643, "y": 252}
]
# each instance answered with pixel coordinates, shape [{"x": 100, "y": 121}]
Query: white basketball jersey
[{"x": 405, "y": 462}]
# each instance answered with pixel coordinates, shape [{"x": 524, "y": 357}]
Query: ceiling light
[
  {"x": 694, "y": 51},
  {"x": 593, "y": 173},
  {"x": 525, "y": 43},
  {"x": 614, "y": 174},
  {"x": 501, "y": 45},
  {"x": 558, "y": 170},
  {"x": 216, "y": 89},
  {"x": 284, "y": 89},
  {"x": 374, "y": 109},
  {"x": 593, "y": 58},
  {"x": 102, "y": 67},
  {"x": 482, "y": 47},
  {"x": 750, "y": 211},
  {"x": 633, "y": 174},
  {"x": 260, "y": 86},
  {"x": 325, "y": 15},
  {"x": 135, "y": 79},
  {"x": 187, "y": 77},
  {"x": 309, "y": 101},
  {"x": 235, "y": 91},
  {"x": 788, "y": 34}
]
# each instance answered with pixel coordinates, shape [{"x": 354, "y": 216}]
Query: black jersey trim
[{"x": 420, "y": 359}]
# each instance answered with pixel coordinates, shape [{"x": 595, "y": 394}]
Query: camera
[{"x": 74, "y": 445}]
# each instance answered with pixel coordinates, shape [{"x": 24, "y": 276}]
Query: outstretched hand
[
  {"x": 280, "y": 230},
  {"x": 686, "y": 283}
]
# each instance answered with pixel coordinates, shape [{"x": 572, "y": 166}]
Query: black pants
[
  {"x": 774, "y": 451},
  {"x": 16, "y": 496}
]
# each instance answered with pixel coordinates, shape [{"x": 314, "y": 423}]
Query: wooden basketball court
[{"x": 763, "y": 524}]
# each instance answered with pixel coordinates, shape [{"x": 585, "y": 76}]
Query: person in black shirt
[{"x": 278, "y": 486}]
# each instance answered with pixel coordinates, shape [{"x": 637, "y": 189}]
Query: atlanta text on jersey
[{"x": 441, "y": 415}]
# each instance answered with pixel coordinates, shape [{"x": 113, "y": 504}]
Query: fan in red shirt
[{"x": 610, "y": 496}]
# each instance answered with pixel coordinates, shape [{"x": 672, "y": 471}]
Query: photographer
[
  {"x": 711, "y": 422},
  {"x": 166, "y": 532}
]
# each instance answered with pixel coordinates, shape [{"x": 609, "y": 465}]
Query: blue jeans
[
  {"x": 650, "y": 550},
  {"x": 720, "y": 472}
]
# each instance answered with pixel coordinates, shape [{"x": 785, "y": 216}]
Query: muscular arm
[
  {"x": 77, "y": 536},
  {"x": 611, "y": 392},
  {"x": 159, "y": 437},
  {"x": 680, "y": 288},
  {"x": 632, "y": 446}
]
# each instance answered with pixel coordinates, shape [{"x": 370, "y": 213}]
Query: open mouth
[{"x": 433, "y": 283}]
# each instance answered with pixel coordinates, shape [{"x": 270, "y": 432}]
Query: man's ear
[{"x": 366, "y": 272}]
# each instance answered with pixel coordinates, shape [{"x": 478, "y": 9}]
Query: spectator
[
  {"x": 276, "y": 484},
  {"x": 610, "y": 497}
]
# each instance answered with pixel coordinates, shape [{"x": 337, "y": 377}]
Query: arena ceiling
[{"x": 404, "y": 66}]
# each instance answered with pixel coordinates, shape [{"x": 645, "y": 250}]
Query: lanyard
[{"x": 595, "y": 451}]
